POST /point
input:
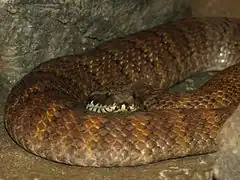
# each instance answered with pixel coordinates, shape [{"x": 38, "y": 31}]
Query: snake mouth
[{"x": 112, "y": 108}]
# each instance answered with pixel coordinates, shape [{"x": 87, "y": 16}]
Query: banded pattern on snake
[{"x": 45, "y": 111}]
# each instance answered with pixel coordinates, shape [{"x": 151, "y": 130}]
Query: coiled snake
[{"x": 45, "y": 112}]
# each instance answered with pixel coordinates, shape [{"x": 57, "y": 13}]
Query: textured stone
[{"x": 35, "y": 31}]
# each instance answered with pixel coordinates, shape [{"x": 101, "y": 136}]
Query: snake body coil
[{"x": 45, "y": 111}]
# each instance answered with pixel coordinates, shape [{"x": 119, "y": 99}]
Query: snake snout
[{"x": 112, "y": 101}]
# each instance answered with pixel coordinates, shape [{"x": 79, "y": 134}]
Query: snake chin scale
[{"x": 113, "y": 108}]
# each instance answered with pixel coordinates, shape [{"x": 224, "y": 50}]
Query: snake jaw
[{"x": 113, "y": 108}]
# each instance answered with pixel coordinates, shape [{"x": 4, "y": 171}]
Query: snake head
[{"x": 113, "y": 100}]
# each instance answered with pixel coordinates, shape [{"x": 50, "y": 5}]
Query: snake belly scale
[{"x": 45, "y": 112}]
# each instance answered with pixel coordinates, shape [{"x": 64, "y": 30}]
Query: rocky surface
[{"x": 34, "y": 31}]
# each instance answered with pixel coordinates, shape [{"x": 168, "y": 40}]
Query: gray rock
[{"x": 35, "y": 31}]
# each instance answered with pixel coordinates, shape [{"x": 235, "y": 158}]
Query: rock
[{"x": 35, "y": 31}]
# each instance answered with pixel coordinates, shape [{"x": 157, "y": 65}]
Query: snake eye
[{"x": 108, "y": 94}]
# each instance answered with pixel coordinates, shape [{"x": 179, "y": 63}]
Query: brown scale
[{"x": 45, "y": 111}]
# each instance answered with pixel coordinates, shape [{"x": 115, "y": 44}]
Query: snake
[{"x": 111, "y": 105}]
